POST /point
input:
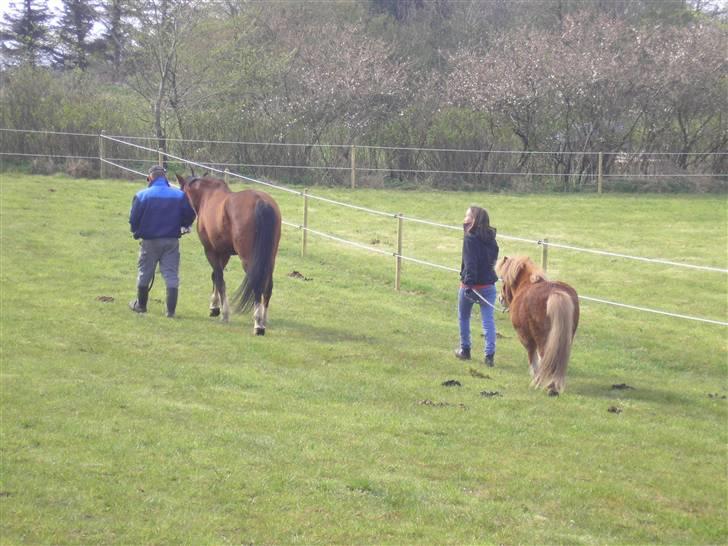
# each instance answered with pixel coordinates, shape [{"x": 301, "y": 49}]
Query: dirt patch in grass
[
  {"x": 441, "y": 404},
  {"x": 479, "y": 375},
  {"x": 490, "y": 394},
  {"x": 297, "y": 275}
]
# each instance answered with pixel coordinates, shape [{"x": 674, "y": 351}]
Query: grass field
[{"x": 335, "y": 427}]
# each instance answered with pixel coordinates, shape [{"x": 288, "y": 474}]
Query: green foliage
[
  {"x": 334, "y": 428},
  {"x": 560, "y": 75}
]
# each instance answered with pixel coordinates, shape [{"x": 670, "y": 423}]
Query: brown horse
[
  {"x": 545, "y": 315},
  {"x": 246, "y": 223}
]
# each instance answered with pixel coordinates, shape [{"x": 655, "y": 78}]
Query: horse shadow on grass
[
  {"x": 319, "y": 333},
  {"x": 618, "y": 390}
]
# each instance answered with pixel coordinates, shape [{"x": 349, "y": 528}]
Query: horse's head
[
  {"x": 513, "y": 273},
  {"x": 196, "y": 187},
  {"x": 503, "y": 269}
]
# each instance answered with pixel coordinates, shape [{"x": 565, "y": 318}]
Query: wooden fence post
[
  {"x": 398, "y": 268},
  {"x": 353, "y": 167},
  {"x": 599, "y": 173},
  {"x": 305, "y": 223},
  {"x": 227, "y": 176},
  {"x": 102, "y": 165},
  {"x": 544, "y": 254}
]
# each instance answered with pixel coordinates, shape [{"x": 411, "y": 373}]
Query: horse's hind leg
[
  {"x": 218, "y": 298},
  {"x": 260, "y": 311},
  {"x": 214, "y": 299},
  {"x": 259, "y": 318}
]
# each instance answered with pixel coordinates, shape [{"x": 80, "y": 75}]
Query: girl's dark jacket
[{"x": 478, "y": 265}]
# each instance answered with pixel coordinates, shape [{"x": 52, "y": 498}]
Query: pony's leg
[
  {"x": 530, "y": 345},
  {"x": 533, "y": 358}
]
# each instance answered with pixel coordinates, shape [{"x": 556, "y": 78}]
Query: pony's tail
[
  {"x": 260, "y": 273},
  {"x": 552, "y": 367}
]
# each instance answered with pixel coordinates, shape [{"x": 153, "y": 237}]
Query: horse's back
[
  {"x": 529, "y": 307},
  {"x": 240, "y": 207},
  {"x": 240, "y": 216}
]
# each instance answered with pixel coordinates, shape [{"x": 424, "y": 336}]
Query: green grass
[{"x": 126, "y": 429}]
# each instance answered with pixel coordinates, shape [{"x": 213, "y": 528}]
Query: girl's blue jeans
[{"x": 487, "y": 316}]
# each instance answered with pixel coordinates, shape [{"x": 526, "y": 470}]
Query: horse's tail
[
  {"x": 552, "y": 367},
  {"x": 260, "y": 272}
]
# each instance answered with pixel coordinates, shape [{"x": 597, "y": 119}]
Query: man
[{"x": 158, "y": 216}]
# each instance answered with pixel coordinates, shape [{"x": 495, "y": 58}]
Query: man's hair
[{"x": 157, "y": 171}]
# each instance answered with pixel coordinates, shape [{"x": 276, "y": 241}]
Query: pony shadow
[
  {"x": 606, "y": 390},
  {"x": 323, "y": 334}
]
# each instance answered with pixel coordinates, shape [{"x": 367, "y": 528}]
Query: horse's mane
[
  {"x": 511, "y": 267},
  {"x": 210, "y": 182}
]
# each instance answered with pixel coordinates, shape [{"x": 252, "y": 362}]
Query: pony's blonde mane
[{"x": 510, "y": 267}]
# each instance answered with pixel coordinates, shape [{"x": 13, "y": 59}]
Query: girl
[{"x": 477, "y": 273}]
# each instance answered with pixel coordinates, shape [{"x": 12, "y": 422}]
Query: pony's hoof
[
  {"x": 553, "y": 392},
  {"x": 215, "y": 312},
  {"x": 259, "y": 331}
]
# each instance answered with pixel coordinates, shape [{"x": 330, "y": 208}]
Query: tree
[
  {"x": 25, "y": 34},
  {"x": 401, "y": 10},
  {"x": 116, "y": 38},
  {"x": 163, "y": 24},
  {"x": 77, "y": 20}
]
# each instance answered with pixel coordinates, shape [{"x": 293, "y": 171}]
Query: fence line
[
  {"x": 188, "y": 162},
  {"x": 123, "y": 168},
  {"x": 362, "y": 146},
  {"x": 50, "y": 156},
  {"x": 398, "y": 254},
  {"x": 43, "y": 131},
  {"x": 639, "y": 258},
  {"x": 393, "y": 215},
  {"x": 405, "y": 171},
  {"x": 666, "y": 313},
  {"x": 401, "y": 217},
  {"x": 450, "y": 269}
]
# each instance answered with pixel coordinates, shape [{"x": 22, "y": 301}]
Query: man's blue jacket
[{"x": 160, "y": 211}]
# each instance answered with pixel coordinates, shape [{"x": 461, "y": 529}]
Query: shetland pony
[
  {"x": 545, "y": 315},
  {"x": 246, "y": 223}
]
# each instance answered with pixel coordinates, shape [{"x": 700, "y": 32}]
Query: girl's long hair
[{"x": 481, "y": 227}]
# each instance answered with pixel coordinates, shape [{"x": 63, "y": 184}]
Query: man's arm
[
  {"x": 188, "y": 214},
  {"x": 135, "y": 214}
]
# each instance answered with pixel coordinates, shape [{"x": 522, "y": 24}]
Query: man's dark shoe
[
  {"x": 463, "y": 353},
  {"x": 139, "y": 305},
  {"x": 490, "y": 360},
  {"x": 171, "y": 301}
]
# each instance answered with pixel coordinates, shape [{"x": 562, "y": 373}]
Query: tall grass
[{"x": 335, "y": 428}]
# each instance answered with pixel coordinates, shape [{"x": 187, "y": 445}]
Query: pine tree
[
  {"x": 25, "y": 34},
  {"x": 75, "y": 25},
  {"x": 115, "y": 16}
]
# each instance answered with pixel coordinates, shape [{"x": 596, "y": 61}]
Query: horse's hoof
[
  {"x": 259, "y": 331},
  {"x": 215, "y": 312},
  {"x": 553, "y": 392}
]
